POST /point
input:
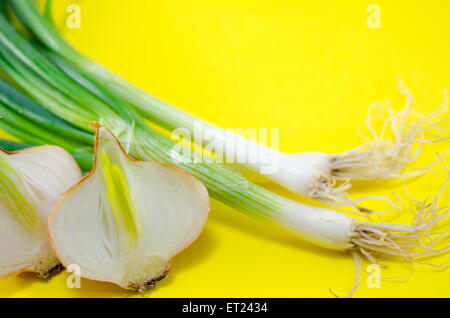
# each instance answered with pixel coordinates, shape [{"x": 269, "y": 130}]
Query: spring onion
[{"x": 313, "y": 174}]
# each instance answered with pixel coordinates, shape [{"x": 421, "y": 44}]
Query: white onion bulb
[
  {"x": 125, "y": 220},
  {"x": 31, "y": 181}
]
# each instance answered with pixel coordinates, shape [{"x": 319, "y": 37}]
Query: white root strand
[{"x": 385, "y": 159}]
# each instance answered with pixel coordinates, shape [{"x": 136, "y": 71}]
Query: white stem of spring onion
[{"x": 311, "y": 174}]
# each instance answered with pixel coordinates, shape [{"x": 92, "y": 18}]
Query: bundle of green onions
[
  {"x": 311, "y": 174},
  {"x": 67, "y": 92}
]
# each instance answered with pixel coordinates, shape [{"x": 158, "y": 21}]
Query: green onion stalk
[
  {"x": 80, "y": 105},
  {"x": 79, "y": 99},
  {"x": 312, "y": 174}
]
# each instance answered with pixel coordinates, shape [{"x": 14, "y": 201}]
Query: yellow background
[{"x": 310, "y": 68}]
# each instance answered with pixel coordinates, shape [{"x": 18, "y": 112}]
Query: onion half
[
  {"x": 31, "y": 181},
  {"x": 124, "y": 221}
]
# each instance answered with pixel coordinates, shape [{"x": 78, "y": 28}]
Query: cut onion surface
[
  {"x": 124, "y": 221},
  {"x": 31, "y": 181}
]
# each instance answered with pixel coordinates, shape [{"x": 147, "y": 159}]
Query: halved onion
[
  {"x": 31, "y": 181},
  {"x": 123, "y": 222}
]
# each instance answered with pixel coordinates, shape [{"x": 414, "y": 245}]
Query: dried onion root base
[
  {"x": 385, "y": 157},
  {"x": 31, "y": 181},
  {"x": 427, "y": 236},
  {"x": 124, "y": 222}
]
